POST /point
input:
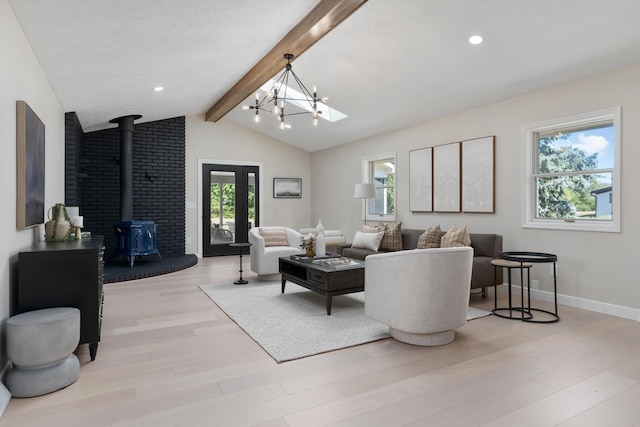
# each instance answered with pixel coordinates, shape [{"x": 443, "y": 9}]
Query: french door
[{"x": 230, "y": 206}]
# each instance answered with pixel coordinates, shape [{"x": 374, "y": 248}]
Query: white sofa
[
  {"x": 332, "y": 237},
  {"x": 422, "y": 294},
  {"x": 264, "y": 259}
]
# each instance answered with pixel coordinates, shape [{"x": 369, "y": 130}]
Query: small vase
[
  {"x": 310, "y": 253},
  {"x": 57, "y": 228}
]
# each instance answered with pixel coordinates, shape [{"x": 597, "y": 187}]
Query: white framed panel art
[
  {"x": 421, "y": 180},
  {"x": 478, "y": 175},
  {"x": 446, "y": 178}
]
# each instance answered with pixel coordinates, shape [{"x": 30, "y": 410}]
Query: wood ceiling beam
[{"x": 322, "y": 19}]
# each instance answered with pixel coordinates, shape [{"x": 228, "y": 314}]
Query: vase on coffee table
[{"x": 321, "y": 246}]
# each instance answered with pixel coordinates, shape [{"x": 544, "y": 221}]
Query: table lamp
[{"x": 78, "y": 223}]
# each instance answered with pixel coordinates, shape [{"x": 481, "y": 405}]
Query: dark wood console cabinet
[{"x": 65, "y": 274}]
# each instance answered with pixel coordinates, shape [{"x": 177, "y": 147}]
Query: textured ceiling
[{"x": 390, "y": 65}]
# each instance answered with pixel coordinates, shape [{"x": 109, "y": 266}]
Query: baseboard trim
[
  {"x": 5, "y": 395},
  {"x": 585, "y": 304}
]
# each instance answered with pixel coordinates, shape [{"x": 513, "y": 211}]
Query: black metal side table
[
  {"x": 241, "y": 247},
  {"x": 524, "y": 312},
  {"x": 525, "y": 260}
]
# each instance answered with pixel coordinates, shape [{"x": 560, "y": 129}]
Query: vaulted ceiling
[{"x": 389, "y": 65}]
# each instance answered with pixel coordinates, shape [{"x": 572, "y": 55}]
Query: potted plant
[{"x": 58, "y": 228}]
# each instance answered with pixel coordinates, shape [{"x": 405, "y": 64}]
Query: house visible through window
[
  {"x": 572, "y": 173},
  {"x": 381, "y": 171}
]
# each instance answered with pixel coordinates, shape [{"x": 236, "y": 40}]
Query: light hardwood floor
[{"x": 170, "y": 357}]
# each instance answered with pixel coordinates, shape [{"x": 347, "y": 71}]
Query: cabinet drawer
[{"x": 316, "y": 277}]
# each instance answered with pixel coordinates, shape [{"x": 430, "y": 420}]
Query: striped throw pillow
[
  {"x": 456, "y": 237},
  {"x": 273, "y": 236}
]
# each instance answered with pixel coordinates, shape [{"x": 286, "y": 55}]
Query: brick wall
[
  {"x": 73, "y": 160},
  {"x": 158, "y": 181}
]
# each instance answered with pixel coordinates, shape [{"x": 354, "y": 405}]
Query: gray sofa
[{"x": 485, "y": 248}]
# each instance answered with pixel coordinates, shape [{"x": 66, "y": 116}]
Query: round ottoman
[{"x": 40, "y": 344}]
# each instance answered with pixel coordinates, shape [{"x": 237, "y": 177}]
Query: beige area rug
[{"x": 295, "y": 324}]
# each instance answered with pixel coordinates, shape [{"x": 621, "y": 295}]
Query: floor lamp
[{"x": 365, "y": 191}]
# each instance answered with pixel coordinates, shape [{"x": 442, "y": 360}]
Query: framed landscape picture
[
  {"x": 421, "y": 180},
  {"x": 30, "y": 134},
  {"x": 446, "y": 178},
  {"x": 287, "y": 188},
  {"x": 478, "y": 175}
]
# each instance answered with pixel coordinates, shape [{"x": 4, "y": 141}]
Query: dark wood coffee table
[{"x": 324, "y": 280}]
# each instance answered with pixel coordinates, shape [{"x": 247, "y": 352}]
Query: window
[
  {"x": 381, "y": 171},
  {"x": 571, "y": 173}
]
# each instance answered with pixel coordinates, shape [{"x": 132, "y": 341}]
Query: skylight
[{"x": 328, "y": 113}]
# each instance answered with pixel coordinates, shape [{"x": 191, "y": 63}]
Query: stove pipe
[{"x": 125, "y": 125}]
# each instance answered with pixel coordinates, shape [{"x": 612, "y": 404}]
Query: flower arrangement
[{"x": 308, "y": 242}]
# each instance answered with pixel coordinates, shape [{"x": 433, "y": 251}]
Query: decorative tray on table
[
  {"x": 337, "y": 262},
  {"x": 304, "y": 258}
]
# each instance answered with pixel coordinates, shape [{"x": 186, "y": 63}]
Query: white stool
[{"x": 40, "y": 344}]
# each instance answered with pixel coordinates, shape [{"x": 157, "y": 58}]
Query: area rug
[{"x": 295, "y": 324}]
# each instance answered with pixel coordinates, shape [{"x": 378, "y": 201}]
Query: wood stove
[{"x": 131, "y": 238}]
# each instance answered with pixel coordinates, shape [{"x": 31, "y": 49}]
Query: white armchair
[
  {"x": 264, "y": 259},
  {"x": 332, "y": 237},
  {"x": 422, "y": 294}
]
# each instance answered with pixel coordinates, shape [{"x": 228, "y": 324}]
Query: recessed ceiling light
[
  {"x": 476, "y": 39},
  {"x": 158, "y": 89}
]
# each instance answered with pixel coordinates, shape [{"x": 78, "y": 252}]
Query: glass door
[{"x": 230, "y": 206}]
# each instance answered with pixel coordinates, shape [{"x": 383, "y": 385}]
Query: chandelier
[{"x": 275, "y": 100}]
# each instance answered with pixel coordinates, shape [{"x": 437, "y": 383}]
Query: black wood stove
[{"x": 131, "y": 238}]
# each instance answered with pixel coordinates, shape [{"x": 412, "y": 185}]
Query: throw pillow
[
  {"x": 273, "y": 236},
  {"x": 370, "y": 241},
  {"x": 370, "y": 229},
  {"x": 392, "y": 239},
  {"x": 430, "y": 238},
  {"x": 456, "y": 237}
]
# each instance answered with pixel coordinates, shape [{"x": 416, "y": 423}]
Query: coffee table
[{"x": 324, "y": 280}]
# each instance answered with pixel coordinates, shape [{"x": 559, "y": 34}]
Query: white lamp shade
[{"x": 364, "y": 191}]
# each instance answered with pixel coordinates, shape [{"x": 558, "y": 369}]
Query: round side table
[
  {"x": 525, "y": 312},
  {"x": 241, "y": 247},
  {"x": 524, "y": 258}
]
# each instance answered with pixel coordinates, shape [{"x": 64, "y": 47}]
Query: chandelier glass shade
[{"x": 281, "y": 98}]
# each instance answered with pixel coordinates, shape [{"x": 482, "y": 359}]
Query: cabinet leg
[
  {"x": 329, "y": 305},
  {"x": 93, "y": 349}
]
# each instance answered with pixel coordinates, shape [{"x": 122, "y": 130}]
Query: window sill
[
  {"x": 383, "y": 218},
  {"x": 580, "y": 225}
]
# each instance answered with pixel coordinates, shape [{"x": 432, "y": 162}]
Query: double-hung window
[
  {"x": 381, "y": 171},
  {"x": 571, "y": 173}
]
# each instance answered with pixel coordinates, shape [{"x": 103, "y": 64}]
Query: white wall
[
  {"x": 226, "y": 142},
  {"x": 592, "y": 266},
  {"x": 22, "y": 78}
]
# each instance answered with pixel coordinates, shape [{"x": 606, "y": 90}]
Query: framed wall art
[
  {"x": 478, "y": 175},
  {"x": 446, "y": 178},
  {"x": 421, "y": 180},
  {"x": 287, "y": 188},
  {"x": 30, "y": 134}
]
